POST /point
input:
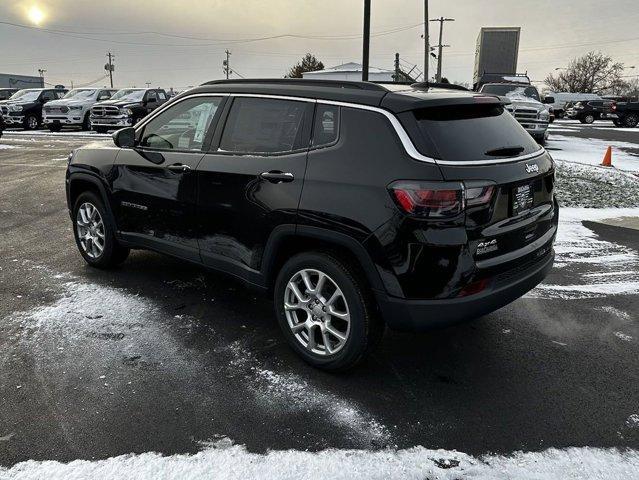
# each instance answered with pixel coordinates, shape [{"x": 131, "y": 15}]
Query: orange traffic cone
[{"x": 607, "y": 160}]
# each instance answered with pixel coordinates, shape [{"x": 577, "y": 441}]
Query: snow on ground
[
  {"x": 85, "y": 314},
  {"x": 7, "y": 147},
  {"x": 590, "y": 151},
  {"x": 223, "y": 460},
  {"x": 580, "y": 185},
  {"x": 601, "y": 268}
]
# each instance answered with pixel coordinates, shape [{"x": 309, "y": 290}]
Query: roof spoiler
[{"x": 447, "y": 86}]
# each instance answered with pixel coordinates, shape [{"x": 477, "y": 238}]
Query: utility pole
[
  {"x": 426, "y": 41},
  {"x": 367, "y": 39},
  {"x": 148, "y": 84},
  {"x": 110, "y": 67},
  {"x": 397, "y": 71},
  {"x": 441, "y": 21},
  {"x": 227, "y": 66}
]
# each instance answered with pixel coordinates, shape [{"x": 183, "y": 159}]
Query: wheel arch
[
  {"x": 84, "y": 182},
  {"x": 288, "y": 240}
]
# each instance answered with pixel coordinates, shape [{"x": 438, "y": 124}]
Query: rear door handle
[
  {"x": 179, "y": 167},
  {"x": 275, "y": 176}
]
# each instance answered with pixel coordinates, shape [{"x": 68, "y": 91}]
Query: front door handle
[
  {"x": 275, "y": 176},
  {"x": 179, "y": 167}
]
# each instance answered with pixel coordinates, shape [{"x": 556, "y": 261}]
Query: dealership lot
[{"x": 162, "y": 356}]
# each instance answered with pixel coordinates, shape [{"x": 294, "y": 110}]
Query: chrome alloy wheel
[
  {"x": 317, "y": 312},
  {"x": 32, "y": 122},
  {"x": 90, "y": 229}
]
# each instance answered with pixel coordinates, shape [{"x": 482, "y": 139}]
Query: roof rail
[{"x": 300, "y": 82}]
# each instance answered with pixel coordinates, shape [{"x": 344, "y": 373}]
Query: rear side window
[
  {"x": 472, "y": 132},
  {"x": 326, "y": 126},
  {"x": 264, "y": 125}
]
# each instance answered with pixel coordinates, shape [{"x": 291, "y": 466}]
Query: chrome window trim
[{"x": 407, "y": 143}]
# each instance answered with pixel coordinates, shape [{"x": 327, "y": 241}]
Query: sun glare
[{"x": 35, "y": 15}]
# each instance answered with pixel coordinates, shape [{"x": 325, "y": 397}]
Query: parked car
[
  {"x": 626, "y": 114},
  {"x": 354, "y": 204},
  {"x": 74, "y": 108},
  {"x": 126, "y": 108},
  {"x": 526, "y": 106},
  {"x": 588, "y": 112},
  {"x": 24, "y": 108},
  {"x": 559, "y": 100},
  {"x": 5, "y": 93}
]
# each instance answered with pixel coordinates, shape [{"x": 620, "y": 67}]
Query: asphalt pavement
[{"x": 160, "y": 355}]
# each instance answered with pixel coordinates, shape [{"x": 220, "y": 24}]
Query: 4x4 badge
[{"x": 532, "y": 168}]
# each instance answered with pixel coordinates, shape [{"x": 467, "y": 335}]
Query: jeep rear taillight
[
  {"x": 429, "y": 200},
  {"x": 439, "y": 200}
]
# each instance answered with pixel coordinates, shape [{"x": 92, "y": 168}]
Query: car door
[
  {"x": 251, "y": 181},
  {"x": 154, "y": 184}
]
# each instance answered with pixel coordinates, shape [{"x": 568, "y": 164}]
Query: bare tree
[
  {"x": 308, "y": 64},
  {"x": 591, "y": 73}
]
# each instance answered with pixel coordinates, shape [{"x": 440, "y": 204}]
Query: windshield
[
  {"x": 26, "y": 95},
  {"x": 512, "y": 91},
  {"x": 135, "y": 95},
  {"x": 472, "y": 132},
  {"x": 80, "y": 94}
]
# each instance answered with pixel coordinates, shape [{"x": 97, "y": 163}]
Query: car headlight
[
  {"x": 544, "y": 115},
  {"x": 75, "y": 107},
  {"x": 127, "y": 111},
  {"x": 15, "y": 108}
]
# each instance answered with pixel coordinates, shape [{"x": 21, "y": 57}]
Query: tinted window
[
  {"x": 261, "y": 125},
  {"x": 472, "y": 132},
  {"x": 326, "y": 127},
  {"x": 183, "y": 126},
  {"x": 151, "y": 95}
]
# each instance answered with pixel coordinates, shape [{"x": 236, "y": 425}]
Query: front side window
[
  {"x": 183, "y": 126},
  {"x": 264, "y": 125},
  {"x": 326, "y": 126},
  {"x": 47, "y": 96},
  {"x": 151, "y": 96}
]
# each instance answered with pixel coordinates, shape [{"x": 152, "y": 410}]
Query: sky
[{"x": 553, "y": 32}]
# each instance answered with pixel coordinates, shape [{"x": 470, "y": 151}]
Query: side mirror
[
  {"x": 549, "y": 100},
  {"x": 124, "y": 138}
]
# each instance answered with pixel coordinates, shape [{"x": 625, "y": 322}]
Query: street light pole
[{"x": 367, "y": 39}]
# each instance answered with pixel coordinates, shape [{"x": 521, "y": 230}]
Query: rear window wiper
[{"x": 505, "y": 151}]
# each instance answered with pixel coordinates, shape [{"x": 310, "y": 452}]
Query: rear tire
[
  {"x": 617, "y": 122},
  {"x": 94, "y": 234},
  {"x": 631, "y": 121},
  {"x": 588, "y": 119},
  {"x": 311, "y": 321}
]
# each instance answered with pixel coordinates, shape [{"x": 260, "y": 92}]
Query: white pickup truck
[{"x": 74, "y": 108}]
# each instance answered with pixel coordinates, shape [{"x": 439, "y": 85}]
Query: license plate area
[{"x": 522, "y": 198}]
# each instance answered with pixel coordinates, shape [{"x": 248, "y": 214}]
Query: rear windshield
[{"x": 472, "y": 132}]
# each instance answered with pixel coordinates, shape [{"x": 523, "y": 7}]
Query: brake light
[
  {"x": 439, "y": 199},
  {"x": 474, "y": 288},
  {"x": 613, "y": 106},
  {"x": 429, "y": 200}
]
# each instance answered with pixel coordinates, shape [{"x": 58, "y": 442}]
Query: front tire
[
  {"x": 94, "y": 234},
  {"x": 86, "y": 124},
  {"x": 326, "y": 311},
  {"x": 31, "y": 122},
  {"x": 588, "y": 119}
]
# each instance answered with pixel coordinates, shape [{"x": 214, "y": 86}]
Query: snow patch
[
  {"x": 223, "y": 460},
  {"x": 597, "y": 267},
  {"x": 590, "y": 151},
  {"x": 623, "y": 336}
]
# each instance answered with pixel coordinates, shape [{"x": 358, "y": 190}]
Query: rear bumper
[{"x": 421, "y": 315}]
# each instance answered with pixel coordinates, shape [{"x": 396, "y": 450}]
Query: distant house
[{"x": 350, "y": 71}]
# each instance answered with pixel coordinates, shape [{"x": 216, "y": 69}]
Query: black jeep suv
[{"x": 356, "y": 205}]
